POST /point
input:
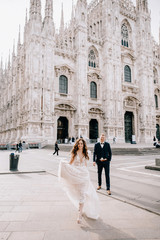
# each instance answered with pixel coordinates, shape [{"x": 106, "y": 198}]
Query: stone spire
[
  {"x": 38, "y": 8},
  {"x": 1, "y": 71},
  {"x": 62, "y": 21},
  {"x": 48, "y": 26},
  {"x": 1, "y": 65},
  {"x": 142, "y": 5},
  {"x": 9, "y": 62},
  {"x": 82, "y": 2},
  {"x": 13, "y": 52},
  {"x": 26, "y": 19},
  {"x": 49, "y": 10},
  {"x": 35, "y": 10},
  {"x": 19, "y": 41},
  {"x": 72, "y": 14},
  {"x": 159, "y": 34},
  {"x": 19, "y": 36},
  {"x": 32, "y": 9}
]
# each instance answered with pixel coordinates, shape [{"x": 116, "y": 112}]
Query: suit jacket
[{"x": 97, "y": 152}]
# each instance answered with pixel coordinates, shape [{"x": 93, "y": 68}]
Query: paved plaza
[{"x": 34, "y": 207}]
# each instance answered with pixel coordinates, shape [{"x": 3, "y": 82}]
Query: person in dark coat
[
  {"x": 17, "y": 148},
  {"x": 56, "y": 148},
  {"x": 20, "y": 146},
  {"x": 102, "y": 156}
]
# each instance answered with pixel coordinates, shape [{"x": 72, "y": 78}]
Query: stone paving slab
[
  {"x": 27, "y": 235},
  {"x": 34, "y": 207}
]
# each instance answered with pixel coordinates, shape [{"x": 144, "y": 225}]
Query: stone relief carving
[
  {"x": 65, "y": 107},
  {"x": 63, "y": 70},
  {"x": 96, "y": 111},
  {"x": 129, "y": 102}
]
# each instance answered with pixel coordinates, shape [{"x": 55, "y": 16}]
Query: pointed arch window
[
  {"x": 92, "y": 59},
  {"x": 156, "y": 100},
  {"x": 127, "y": 74},
  {"x": 155, "y": 76},
  {"x": 124, "y": 35},
  {"x": 93, "y": 90},
  {"x": 63, "y": 84}
]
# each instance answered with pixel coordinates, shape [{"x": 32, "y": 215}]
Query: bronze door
[
  {"x": 128, "y": 126},
  {"x": 93, "y": 129},
  {"x": 62, "y": 129}
]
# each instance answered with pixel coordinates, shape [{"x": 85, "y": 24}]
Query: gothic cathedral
[{"x": 101, "y": 73}]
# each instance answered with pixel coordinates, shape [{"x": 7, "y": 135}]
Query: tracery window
[
  {"x": 63, "y": 84},
  {"x": 93, "y": 90},
  {"x": 127, "y": 74},
  {"x": 93, "y": 58},
  {"x": 124, "y": 35}
]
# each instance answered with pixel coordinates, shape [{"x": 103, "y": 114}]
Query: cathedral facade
[{"x": 101, "y": 73}]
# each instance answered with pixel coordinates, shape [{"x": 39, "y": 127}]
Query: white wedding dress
[{"x": 76, "y": 182}]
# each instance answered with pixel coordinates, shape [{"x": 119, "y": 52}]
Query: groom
[{"x": 102, "y": 156}]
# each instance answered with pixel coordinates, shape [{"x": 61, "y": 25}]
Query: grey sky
[{"x": 12, "y": 13}]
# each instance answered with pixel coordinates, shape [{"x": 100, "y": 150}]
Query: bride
[{"x": 75, "y": 178}]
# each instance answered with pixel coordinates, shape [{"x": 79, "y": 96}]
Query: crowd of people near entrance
[
  {"x": 156, "y": 142},
  {"x": 19, "y": 147}
]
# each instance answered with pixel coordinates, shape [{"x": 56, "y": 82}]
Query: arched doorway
[
  {"x": 128, "y": 123},
  {"x": 157, "y": 132},
  {"x": 62, "y": 129},
  {"x": 93, "y": 130}
]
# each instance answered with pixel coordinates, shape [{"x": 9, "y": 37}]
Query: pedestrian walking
[
  {"x": 20, "y": 146},
  {"x": 17, "y": 148},
  {"x": 114, "y": 140},
  {"x": 56, "y": 148}
]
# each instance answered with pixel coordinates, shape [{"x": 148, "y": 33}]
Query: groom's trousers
[{"x": 106, "y": 166}]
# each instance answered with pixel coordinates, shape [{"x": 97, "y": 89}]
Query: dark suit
[{"x": 105, "y": 153}]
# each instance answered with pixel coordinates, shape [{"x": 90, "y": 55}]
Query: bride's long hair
[{"x": 75, "y": 149}]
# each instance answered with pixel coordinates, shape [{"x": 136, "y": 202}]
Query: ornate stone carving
[
  {"x": 63, "y": 70},
  {"x": 96, "y": 111},
  {"x": 128, "y": 9},
  {"x": 65, "y": 107}
]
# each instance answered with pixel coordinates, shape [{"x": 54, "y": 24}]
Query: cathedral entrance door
[
  {"x": 157, "y": 132},
  {"x": 128, "y": 118},
  {"x": 93, "y": 130},
  {"x": 62, "y": 129}
]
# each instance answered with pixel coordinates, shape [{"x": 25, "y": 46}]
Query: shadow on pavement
[{"x": 103, "y": 231}]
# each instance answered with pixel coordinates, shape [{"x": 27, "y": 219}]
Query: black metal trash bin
[{"x": 14, "y": 158}]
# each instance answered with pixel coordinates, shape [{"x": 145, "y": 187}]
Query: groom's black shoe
[{"x": 98, "y": 188}]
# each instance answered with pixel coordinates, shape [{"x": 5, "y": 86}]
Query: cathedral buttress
[
  {"x": 144, "y": 70},
  {"x": 81, "y": 66}
]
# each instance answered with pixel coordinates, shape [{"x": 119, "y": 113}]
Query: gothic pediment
[
  {"x": 94, "y": 75},
  {"x": 65, "y": 107},
  {"x": 131, "y": 102},
  {"x": 63, "y": 69},
  {"x": 157, "y": 89},
  {"x": 95, "y": 110},
  {"x": 128, "y": 55}
]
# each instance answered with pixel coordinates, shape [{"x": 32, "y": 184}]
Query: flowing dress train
[{"x": 76, "y": 182}]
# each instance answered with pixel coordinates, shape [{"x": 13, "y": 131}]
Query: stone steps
[{"x": 115, "y": 151}]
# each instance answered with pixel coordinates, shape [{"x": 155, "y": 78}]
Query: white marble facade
[{"x": 101, "y": 73}]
